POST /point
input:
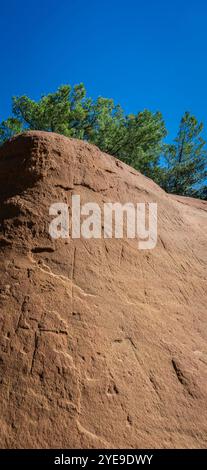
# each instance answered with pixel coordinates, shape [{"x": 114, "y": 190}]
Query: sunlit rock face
[{"x": 103, "y": 345}]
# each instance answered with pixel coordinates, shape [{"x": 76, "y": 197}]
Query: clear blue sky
[{"x": 144, "y": 54}]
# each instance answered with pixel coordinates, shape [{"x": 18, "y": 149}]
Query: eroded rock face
[{"x": 102, "y": 345}]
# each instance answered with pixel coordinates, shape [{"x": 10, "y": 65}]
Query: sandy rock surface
[{"x": 102, "y": 345}]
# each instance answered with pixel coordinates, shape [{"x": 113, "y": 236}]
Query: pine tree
[{"x": 186, "y": 158}]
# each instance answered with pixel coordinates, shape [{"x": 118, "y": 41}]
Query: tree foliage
[
  {"x": 186, "y": 158},
  {"x": 137, "y": 139}
]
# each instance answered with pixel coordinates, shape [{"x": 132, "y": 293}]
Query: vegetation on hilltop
[{"x": 137, "y": 139}]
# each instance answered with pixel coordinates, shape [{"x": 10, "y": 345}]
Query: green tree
[
  {"x": 201, "y": 193},
  {"x": 60, "y": 112},
  {"x": 186, "y": 158},
  {"x": 8, "y": 128},
  {"x": 135, "y": 139},
  {"x": 140, "y": 143}
]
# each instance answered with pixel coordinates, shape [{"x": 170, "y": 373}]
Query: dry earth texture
[{"x": 102, "y": 345}]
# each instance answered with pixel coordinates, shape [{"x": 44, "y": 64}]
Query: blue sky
[{"x": 144, "y": 54}]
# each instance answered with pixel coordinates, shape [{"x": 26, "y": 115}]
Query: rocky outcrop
[{"x": 102, "y": 344}]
